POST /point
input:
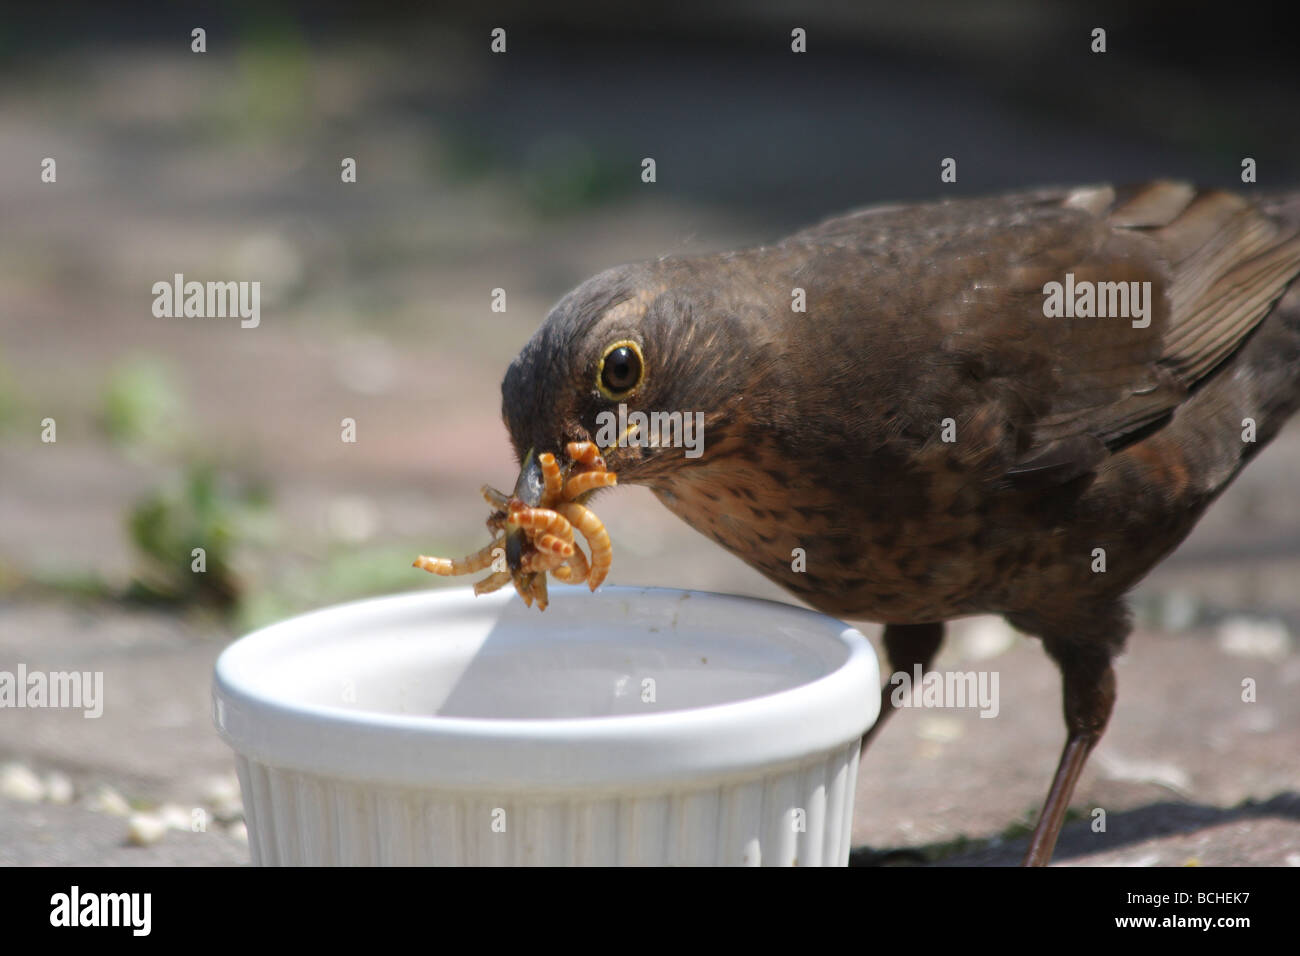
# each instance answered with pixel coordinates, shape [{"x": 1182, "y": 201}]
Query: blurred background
[{"x": 521, "y": 171}]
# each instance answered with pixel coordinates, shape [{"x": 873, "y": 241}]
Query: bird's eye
[{"x": 621, "y": 369}]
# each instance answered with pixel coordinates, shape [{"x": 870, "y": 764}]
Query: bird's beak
[{"x": 528, "y": 489}]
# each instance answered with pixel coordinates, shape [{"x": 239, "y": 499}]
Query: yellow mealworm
[
  {"x": 541, "y": 521},
  {"x": 586, "y": 453},
  {"x": 586, "y": 481},
  {"x": 496, "y": 499},
  {"x": 537, "y": 561},
  {"x": 548, "y": 530},
  {"x": 492, "y": 582},
  {"x": 575, "y": 569},
  {"x": 524, "y": 587},
  {"x": 593, "y": 529},
  {"x": 539, "y": 592},
  {"x": 554, "y": 481},
  {"x": 496, "y": 522},
  {"x": 554, "y": 545},
  {"x": 467, "y": 565}
]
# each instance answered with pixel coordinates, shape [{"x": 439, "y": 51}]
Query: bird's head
[{"x": 635, "y": 359}]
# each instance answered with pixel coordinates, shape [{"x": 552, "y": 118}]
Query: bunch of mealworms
[{"x": 548, "y": 529}]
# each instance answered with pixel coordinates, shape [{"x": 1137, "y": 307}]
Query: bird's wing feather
[{"x": 1074, "y": 387}]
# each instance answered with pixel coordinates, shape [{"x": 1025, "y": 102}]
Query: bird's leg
[
  {"x": 1088, "y": 682},
  {"x": 906, "y": 645}
]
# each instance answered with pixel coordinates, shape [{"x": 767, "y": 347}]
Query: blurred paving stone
[
  {"x": 1181, "y": 752},
  {"x": 154, "y": 740},
  {"x": 48, "y": 835}
]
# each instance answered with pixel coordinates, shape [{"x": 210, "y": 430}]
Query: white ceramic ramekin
[{"x": 628, "y": 727}]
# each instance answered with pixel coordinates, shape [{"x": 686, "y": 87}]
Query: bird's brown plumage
[
  {"x": 824, "y": 428},
  {"x": 933, "y": 442}
]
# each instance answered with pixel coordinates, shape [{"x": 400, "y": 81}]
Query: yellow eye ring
[{"x": 629, "y": 366}]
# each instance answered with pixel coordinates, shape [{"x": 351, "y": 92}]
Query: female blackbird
[{"x": 1014, "y": 405}]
